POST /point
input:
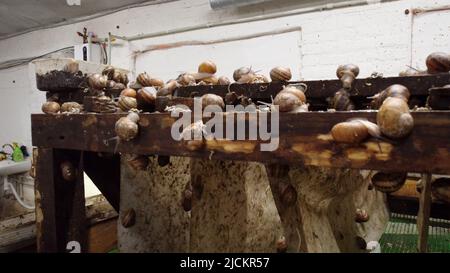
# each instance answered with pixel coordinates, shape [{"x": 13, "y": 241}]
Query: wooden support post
[
  {"x": 60, "y": 202},
  {"x": 423, "y": 216}
]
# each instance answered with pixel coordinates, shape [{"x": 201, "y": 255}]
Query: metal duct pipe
[{"x": 219, "y": 4}]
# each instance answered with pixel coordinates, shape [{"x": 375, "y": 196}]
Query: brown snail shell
[
  {"x": 395, "y": 91},
  {"x": 109, "y": 72},
  {"x": 211, "y": 80},
  {"x": 280, "y": 74},
  {"x": 394, "y": 118},
  {"x": 257, "y": 78},
  {"x": 349, "y": 132},
  {"x": 72, "y": 67},
  {"x": 146, "y": 97},
  {"x": 128, "y": 92},
  {"x": 138, "y": 162},
  {"x": 207, "y": 67},
  {"x": 223, "y": 80},
  {"x": 347, "y": 74},
  {"x": 341, "y": 101},
  {"x": 51, "y": 107},
  {"x": 97, "y": 81},
  {"x": 120, "y": 77},
  {"x": 186, "y": 79},
  {"x": 156, "y": 82},
  {"x": 68, "y": 171},
  {"x": 71, "y": 107},
  {"x": 126, "y": 128},
  {"x": 127, "y": 103},
  {"x": 119, "y": 86},
  {"x": 168, "y": 89},
  {"x": 143, "y": 79},
  {"x": 388, "y": 182},
  {"x": 438, "y": 62},
  {"x": 211, "y": 99},
  {"x": 297, "y": 92},
  {"x": 440, "y": 189},
  {"x": 287, "y": 102},
  {"x": 192, "y": 136},
  {"x": 238, "y": 73},
  {"x": 361, "y": 216}
]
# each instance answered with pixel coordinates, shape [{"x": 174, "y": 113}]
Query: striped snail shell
[
  {"x": 109, "y": 72},
  {"x": 127, "y": 103},
  {"x": 280, "y": 74},
  {"x": 144, "y": 79},
  {"x": 186, "y": 79},
  {"x": 146, "y": 97},
  {"x": 71, "y": 107},
  {"x": 120, "y": 77},
  {"x": 97, "y": 81},
  {"x": 238, "y": 73},
  {"x": 51, "y": 107}
]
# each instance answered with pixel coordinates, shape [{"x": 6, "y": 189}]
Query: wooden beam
[
  {"x": 60, "y": 212},
  {"x": 423, "y": 216},
  {"x": 303, "y": 139}
]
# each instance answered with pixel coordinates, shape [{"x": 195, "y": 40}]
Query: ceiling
[{"x": 17, "y": 16}]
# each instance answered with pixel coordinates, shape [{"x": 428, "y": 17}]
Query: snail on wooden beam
[
  {"x": 438, "y": 62},
  {"x": 395, "y": 91},
  {"x": 51, "y": 107},
  {"x": 394, "y": 118},
  {"x": 291, "y": 99},
  {"x": 354, "y": 131},
  {"x": 280, "y": 74},
  {"x": 347, "y": 74},
  {"x": 389, "y": 182}
]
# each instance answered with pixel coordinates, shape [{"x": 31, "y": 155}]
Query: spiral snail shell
[
  {"x": 50, "y": 107},
  {"x": 127, "y": 128},
  {"x": 109, "y": 72},
  {"x": 396, "y": 90},
  {"x": 186, "y": 79},
  {"x": 223, "y": 80},
  {"x": 394, "y": 118},
  {"x": 71, "y": 107},
  {"x": 438, "y": 62},
  {"x": 280, "y": 74},
  {"x": 211, "y": 99},
  {"x": 128, "y": 92},
  {"x": 97, "y": 81},
  {"x": 238, "y": 73},
  {"x": 207, "y": 67},
  {"x": 146, "y": 97},
  {"x": 127, "y": 103}
]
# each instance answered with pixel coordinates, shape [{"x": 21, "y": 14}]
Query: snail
[
  {"x": 71, "y": 107},
  {"x": 440, "y": 189},
  {"x": 109, "y": 72},
  {"x": 145, "y": 80},
  {"x": 290, "y": 99},
  {"x": 347, "y": 74},
  {"x": 119, "y": 86},
  {"x": 127, "y": 103},
  {"x": 207, "y": 67},
  {"x": 120, "y": 77},
  {"x": 280, "y": 74},
  {"x": 281, "y": 245},
  {"x": 394, "y": 118},
  {"x": 361, "y": 216},
  {"x": 388, "y": 182},
  {"x": 210, "y": 80},
  {"x": 341, "y": 101},
  {"x": 256, "y": 78},
  {"x": 168, "y": 89},
  {"x": 71, "y": 67},
  {"x": 51, "y": 107},
  {"x": 243, "y": 71},
  {"x": 138, "y": 162},
  {"x": 396, "y": 91},
  {"x": 146, "y": 97},
  {"x": 186, "y": 79},
  {"x": 223, "y": 80},
  {"x": 68, "y": 171},
  {"x": 438, "y": 62},
  {"x": 127, "y": 128},
  {"x": 128, "y": 92},
  {"x": 354, "y": 131},
  {"x": 211, "y": 99},
  {"x": 97, "y": 81},
  {"x": 186, "y": 202},
  {"x": 192, "y": 136}
]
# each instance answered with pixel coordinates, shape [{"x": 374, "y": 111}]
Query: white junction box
[{"x": 88, "y": 52}]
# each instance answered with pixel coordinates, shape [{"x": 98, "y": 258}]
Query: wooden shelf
[{"x": 303, "y": 139}]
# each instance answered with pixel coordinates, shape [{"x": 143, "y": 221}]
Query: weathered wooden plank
[
  {"x": 303, "y": 138},
  {"x": 423, "y": 216},
  {"x": 104, "y": 171},
  {"x": 418, "y": 86},
  {"x": 60, "y": 212}
]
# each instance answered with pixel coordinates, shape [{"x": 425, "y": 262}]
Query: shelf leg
[
  {"x": 60, "y": 204},
  {"x": 423, "y": 216}
]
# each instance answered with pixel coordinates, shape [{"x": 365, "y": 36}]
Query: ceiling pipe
[{"x": 219, "y": 4}]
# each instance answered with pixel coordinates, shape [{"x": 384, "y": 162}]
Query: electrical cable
[
  {"x": 23, "y": 61},
  {"x": 16, "y": 195}
]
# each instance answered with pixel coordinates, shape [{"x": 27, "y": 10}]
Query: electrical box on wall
[{"x": 88, "y": 52}]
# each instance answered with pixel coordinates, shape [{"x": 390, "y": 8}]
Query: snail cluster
[
  {"x": 341, "y": 100},
  {"x": 393, "y": 119},
  {"x": 53, "y": 107}
]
